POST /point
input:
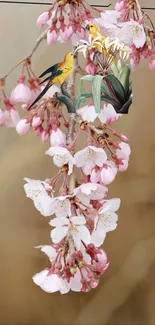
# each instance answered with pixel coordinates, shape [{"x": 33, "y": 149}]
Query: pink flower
[
  {"x": 50, "y": 282},
  {"x": 43, "y": 18},
  {"x": 44, "y": 136},
  {"x": 36, "y": 121},
  {"x": 124, "y": 151},
  {"x": 21, "y": 93},
  {"x": 57, "y": 138},
  {"x": 100, "y": 264},
  {"x": 88, "y": 113},
  {"x": 61, "y": 156},
  {"x": 90, "y": 157},
  {"x": 95, "y": 176},
  {"x": 90, "y": 191},
  {"x": 108, "y": 172},
  {"x": 91, "y": 68},
  {"x": 66, "y": 35},
  {"x": 51, "y": 37},
  {"x": 37, "y": 191},
  {"x": 47, "y": 282},
  {"x": 2, "y": 117},
  {"x": 131, "y": 32},
  {"x": 122, "y": 155},
  {"x": 105, "y": 221},
  {"x": 119, "y": 6},
  {"x": 11, "y": 118},
  {"x": 22, "y": 127},
  {"x": 76, "y": 228},
  {"x": 108, "y": 114}
]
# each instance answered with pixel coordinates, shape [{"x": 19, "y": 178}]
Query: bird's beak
[
  {"x": 87, "y": 27},
  {"x": 74, "y": 56}
]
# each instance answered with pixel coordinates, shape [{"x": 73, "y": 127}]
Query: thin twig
[{"x": 39, "y": 40}]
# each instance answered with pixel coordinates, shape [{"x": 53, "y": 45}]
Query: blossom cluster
[{"x": 81, "y": 214}]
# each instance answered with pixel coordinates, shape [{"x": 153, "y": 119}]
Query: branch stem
[{"x": 39, "y": 40}]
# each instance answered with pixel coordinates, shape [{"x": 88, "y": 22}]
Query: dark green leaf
[
  {"x": 117, "y": 106},
  {"x": 117, "y": 87}
]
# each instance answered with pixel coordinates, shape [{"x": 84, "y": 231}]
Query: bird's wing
[
  {"x": 51, "y": 70},
  {"x": 55, "y": 74}
]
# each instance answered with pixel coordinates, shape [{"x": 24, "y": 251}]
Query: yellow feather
[{"x": 67, "y": 67}]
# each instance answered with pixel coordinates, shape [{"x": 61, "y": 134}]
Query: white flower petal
[
  {"x": 84, "y": 233},
  {"x": 58, "y": 234},
  {"x": 75, "y": 282},
  {"x": 62, "y": 221},
  {"x": 78, "y": 220},
  {"x": 38, "y": 278},
  {"x": 98, "y": 238},
  {"x": 51, "y": 283}
]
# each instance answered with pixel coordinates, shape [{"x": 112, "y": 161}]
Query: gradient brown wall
[{"x": 126, "y": 293}]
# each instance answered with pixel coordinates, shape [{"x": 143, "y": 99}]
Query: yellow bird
[
  {"x": 95, "y": 32},
  {"x": 58, "y": 74}
]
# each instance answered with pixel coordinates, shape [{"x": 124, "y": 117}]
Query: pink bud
[
  {"x": 25, "y": 106},
  {"x": 22, "y": 127},
  {"x": 44, "y": 136},
  {"x": 152, "y": 64},
  {"x": 94, "y": 283},
  {"x": 43, "y": 18},
  {"x": 11, "y": 118},
  {"x": 21, "y": 93},
  {"x": 58, "y": 138},
  {"x": 36, "y": 121},
  {"x": 68, "y": 32},
  {"x": 108, "y": 173},
  {"x": 124, "y": 166},
  {"x": 91, "y": 68},
  {"x": 1, "y": 117},
  {"x": 38, "y": 131},
  {"x": 51, "y": 37},
  {"x": 95, "y": 176},
  {"x": 119, "y": 6}
]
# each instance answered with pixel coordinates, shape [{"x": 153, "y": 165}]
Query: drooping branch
[{"x": 39, "y": 40}]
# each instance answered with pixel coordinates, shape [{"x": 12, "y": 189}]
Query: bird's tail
[{"x": 43, "y": 92}]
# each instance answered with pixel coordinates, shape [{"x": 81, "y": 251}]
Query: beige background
[{"x": 126, "y": 293}]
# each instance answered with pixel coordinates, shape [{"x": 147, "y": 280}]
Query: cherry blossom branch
[
  {"x": 39, "y": 40},
  {"x": 42, "y": 37}
]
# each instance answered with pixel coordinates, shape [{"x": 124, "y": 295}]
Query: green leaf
[
  {"x": 105, "y": 89},
  {"x": 125, "y": 76},
  {"x": 96, "y": 91},
  {"x": 125, "y": 107},
  {"x": 88, "y": 77},
  {"x": 81, "y": 98},
  {"x": 117, "y": 106},
  {"x": 81, "y": 88},
  {"x": 117, "y": 87}
]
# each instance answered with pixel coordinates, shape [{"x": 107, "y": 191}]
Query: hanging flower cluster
[{"x": 81, "y": 214}]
